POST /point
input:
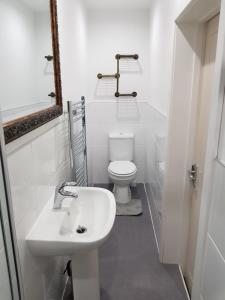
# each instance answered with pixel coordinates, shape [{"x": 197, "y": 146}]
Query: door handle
[{"x": 193, "y": 174}]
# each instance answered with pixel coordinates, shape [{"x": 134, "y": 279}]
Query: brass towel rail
[
  {"x": 134, "y": 94},
  {"x": 100, "y": 76},
  {"x": 117, "y": 74},
  {"x": 134, "y": 56}
]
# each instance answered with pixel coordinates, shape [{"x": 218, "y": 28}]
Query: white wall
[
  {"x": 37, "y": 162},
  {"x": 110, "y": 33},
  {"x": 161, "y": 38},
  {"x": 102, "y": 34},
  {"x": 73, "y": 45},
  {"x": 123, "y": 32},
  {"x": 161, "y": 43}
]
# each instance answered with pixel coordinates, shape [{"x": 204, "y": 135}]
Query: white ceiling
[
  {"x": 118, "y": 4},
  {"x": 37, "y": 5}
]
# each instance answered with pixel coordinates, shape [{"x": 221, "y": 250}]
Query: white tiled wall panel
[
  {"x": 35, "y": 167},
  {"x": 122, "y": 116}
]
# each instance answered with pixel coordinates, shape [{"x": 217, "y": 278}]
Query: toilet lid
[{"x": 122, "y": 167}]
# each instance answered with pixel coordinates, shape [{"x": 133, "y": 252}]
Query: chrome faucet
[{"x": 61, "y": 193}]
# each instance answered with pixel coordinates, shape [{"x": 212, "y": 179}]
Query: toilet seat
[
  {"x": 122, "y": 174},
  {"x": 122, "y": 168}
]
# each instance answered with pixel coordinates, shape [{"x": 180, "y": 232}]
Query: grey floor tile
[{"x": 129, "y": 263}]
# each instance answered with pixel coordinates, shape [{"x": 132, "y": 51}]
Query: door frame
[{"x": 188, "y": 55}]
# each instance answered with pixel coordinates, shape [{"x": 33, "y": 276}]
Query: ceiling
[{"x": 118, "y": 4}]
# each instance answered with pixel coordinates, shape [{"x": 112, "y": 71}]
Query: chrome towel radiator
[{"x": 78, "y": 147}]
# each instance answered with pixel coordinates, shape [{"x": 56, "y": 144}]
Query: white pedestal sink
[{"x": 56, "y": 232}]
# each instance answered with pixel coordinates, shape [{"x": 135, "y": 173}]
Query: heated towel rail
[{"x": 78, "y": 145}]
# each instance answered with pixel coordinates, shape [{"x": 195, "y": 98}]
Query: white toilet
[{"x": 122, "y": 171}]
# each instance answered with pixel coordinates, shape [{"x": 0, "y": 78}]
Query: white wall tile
[
  {"x": 34, "y": 170},
  {"x": 97, "y": 135},
  {"x": 90, "y": 154},
  {"x": 101, "y": 112},
  {"x": 45, "y": 166},
  {"x": 150, "y": 156},
  {"x": 100, "y": 164},
  {"x": 140, "y": 162},
  {"x": 26, "y": 259},
  {"x": 44, "y": 155},
  {"x": 62, "y": 144},
  {"x": 22, "y": 180}
]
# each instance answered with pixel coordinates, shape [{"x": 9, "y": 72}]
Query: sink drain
[{"x": 81, "y": 229}]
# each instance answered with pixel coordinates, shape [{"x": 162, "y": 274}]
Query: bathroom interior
[{"x": 112, "y": 147}]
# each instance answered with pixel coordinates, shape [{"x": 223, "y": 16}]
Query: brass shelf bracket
[{"x": 117, "y": 74}]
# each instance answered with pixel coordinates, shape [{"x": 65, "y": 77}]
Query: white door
[
  {"x": 200, "y": 143},
  {"x": 209, "y": 279},
  {"x": 209, "y": 273}
]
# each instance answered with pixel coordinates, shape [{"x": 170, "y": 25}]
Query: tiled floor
[{"x": 129, "y": 264}]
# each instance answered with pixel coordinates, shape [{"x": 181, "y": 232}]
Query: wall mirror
[{"x": 30, "y": 84}]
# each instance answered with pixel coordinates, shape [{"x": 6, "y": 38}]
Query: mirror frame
[{"x": 22, "y": 125}]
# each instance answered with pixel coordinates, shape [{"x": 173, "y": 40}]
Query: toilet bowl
[
  {"x": 122, "y": 174},
  {"x": 122, "y": 171}
]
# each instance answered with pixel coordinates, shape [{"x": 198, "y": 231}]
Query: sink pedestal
[{"x": 85, "y": 272}]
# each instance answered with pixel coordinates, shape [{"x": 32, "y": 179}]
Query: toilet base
[{"x": 122, "y": 193}]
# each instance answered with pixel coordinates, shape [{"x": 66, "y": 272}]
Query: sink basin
[
  {"x": 76, "y": 230},
  {"x": 55, "y": 231}
]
